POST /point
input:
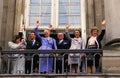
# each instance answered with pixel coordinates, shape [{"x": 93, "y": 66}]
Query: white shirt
[{"x": 92, "y": 41}]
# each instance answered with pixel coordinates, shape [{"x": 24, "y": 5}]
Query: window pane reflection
[
  {"x": 69, "y": 12},
  {"x": 74, "y": 9},
  {"x": 63, "y": 19},
  {"x": 45, "y": 20},
  {"x": 35, "y": 10},
  {"x": 46, "y": 10},
  {"x": 32, "y": 20},
  {"x": 40, "y": 10},
  {"x": 35, "y": 1}
]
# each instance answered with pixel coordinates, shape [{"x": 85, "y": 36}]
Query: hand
[
  {"x": 22, "y": 47},
  {"x": 23, "y": 41},
  {"x": 37, "y": 24},
  {"x": 103, "y": 24},
  {"x": 57, "y": 55},
  {"x": 67, "y": 26},
  {"x": 50, "y": 27}
]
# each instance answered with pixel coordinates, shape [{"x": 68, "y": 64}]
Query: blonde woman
[{"x": 94, "y": 42}]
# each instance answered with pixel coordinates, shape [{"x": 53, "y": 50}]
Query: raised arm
[
  {"x": 67, "y": 35},
  {"x": 22, "y": 32},
  {"x": 103, "y": 30},
  {"x": 36, "y": 31}
]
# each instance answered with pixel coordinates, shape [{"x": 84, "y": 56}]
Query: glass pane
[
  {"x": 33, "y": 19},
  {"x": 70, "y": 12},
  {"x": 35, "y": 2},
  {"x": 34, "y": 9},
  {"x": 75, "y": 20},
  {"x": 75, "y": 1},
  {"x": 46, "y": 1},
  {"x": 74, "y": 9},
  {"x": 63, "y": 20},
  {"x": 46, "y": 10},
  {"x": 63, "y": 2},
  {"x": 63, "y": 10},
  {"x": 45, "y": 20},
  {"x": 41, "y": 12}
]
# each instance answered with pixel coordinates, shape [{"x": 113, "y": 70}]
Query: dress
[
  {"x": 47, "y": 44},
  {"x": 76, "y": 43}
]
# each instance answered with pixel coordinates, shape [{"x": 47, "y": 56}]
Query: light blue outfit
[{"x": 47, "y": 44}]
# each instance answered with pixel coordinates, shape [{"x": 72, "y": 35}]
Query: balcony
[{"x": 7, "y": 57}]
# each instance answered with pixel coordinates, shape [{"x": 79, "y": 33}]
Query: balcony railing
[{"x": 7, "y": 56}]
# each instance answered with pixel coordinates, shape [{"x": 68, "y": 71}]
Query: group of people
[
  {"x": 19, "y": 43},
  {"x": 44, "y": 65}
]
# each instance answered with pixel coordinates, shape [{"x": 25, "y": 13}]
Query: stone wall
[
  {"x": 10, "y": 25},
  {"x": 1, "y": 11},
  {"x": 94, "y": 14},
  {"x": 111, "y": 61},
  {"x": 112, "y": 15}
]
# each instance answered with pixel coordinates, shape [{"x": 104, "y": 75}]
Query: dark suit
[
  {"x": 36, "y": 45},
  {"x": 30, "y": 45},
  {"x": 65, "y": 44}
]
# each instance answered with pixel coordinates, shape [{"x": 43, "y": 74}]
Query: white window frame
[{"x": 54, "y": 17}]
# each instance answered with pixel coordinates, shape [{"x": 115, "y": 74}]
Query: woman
[
  {"x": 94, "y": 42},
  {"x": 48, "y": 43},
  {"x": 76, "y": 43},
  {"x": 18, "y": 62}
]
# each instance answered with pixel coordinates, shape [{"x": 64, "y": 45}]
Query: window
[
  {"x": 69, "y": 11},
  {"x": 39, "y": 10},
  {"x": 55, "y": 12}
]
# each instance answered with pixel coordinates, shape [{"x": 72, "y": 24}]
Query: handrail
[
  {"x": 31, "y": 51},
  {"x": 64, "y": 52}
]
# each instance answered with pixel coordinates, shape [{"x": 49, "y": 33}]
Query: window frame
[{"x": 54, "y": 20}]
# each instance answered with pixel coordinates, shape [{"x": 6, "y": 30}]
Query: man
[
  {"x": 62, "y": 44},
  {"x": 32, "y": 44}
]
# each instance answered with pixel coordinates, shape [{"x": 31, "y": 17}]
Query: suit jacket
[
  {"x": 99, "y": 39},
  {"x": 36, "y": 45},
  {"x": 65, "y": 44},
  {"x": 30, "y": 45}
]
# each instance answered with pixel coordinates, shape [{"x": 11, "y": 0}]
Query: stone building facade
[{"x": 95, "y": 12}]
